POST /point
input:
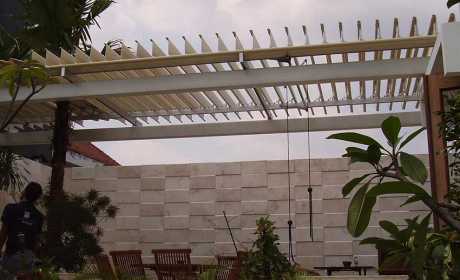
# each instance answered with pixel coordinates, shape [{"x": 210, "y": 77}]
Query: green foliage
[
  {"x": 451, "y": 3},
  {"x": 54, "y": 24},
  {"x": 80, "y": 215},
  {"x": 209, "y": 274},
  {"x": 11, "y": 173},
  {"x": 426, "y": 254},
  {"x": 264, "y": 260}
]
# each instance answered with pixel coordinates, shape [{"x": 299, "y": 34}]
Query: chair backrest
[
  {"x": 104, "y": 268},
  {"x": 128, "y": 264},
  {"x": 173, "y": 264},
  {"x": 226, "y": 267}
]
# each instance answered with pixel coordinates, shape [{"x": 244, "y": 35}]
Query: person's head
[{"x": 32, "y": 192}]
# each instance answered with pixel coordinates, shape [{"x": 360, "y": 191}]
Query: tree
[
  {"x": 52, "y": 25},
  {"x": 451, "y": 3}
]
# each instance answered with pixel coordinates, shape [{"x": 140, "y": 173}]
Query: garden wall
[{"x": 173, "y": 206}]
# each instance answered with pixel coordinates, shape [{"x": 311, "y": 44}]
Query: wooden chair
[
  {"x": 173, "y": 264},
  {"x": 227, "y": 266},
  {"x": 128, "y": 264},
  {"x": 104, "y": 268}
]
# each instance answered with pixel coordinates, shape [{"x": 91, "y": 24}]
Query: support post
[
  {"x": 60, "y": 144},
  {"x": 434, "y": 105}
]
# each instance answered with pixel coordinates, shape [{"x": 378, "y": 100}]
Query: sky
[{"x": 142, "y": 20}]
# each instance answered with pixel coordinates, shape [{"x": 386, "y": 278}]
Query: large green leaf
[
  {"x": 374, "y": 154},
  {"x": 450, "y": 3},
  {"x": 359, "y": 211},
  {"x": 352, "y": 184},
  {"x": 397, "y": 188},
  {"x": 355, "y": 138},
  {"x": 413, "y": 167},
  {"x": 419, "y": 253},
  {"x": 411, "y": 137},
  {"x": 356, "y": 154},
  {"x": 393, "y": 230},
  {"x": 391, "y": 128}
]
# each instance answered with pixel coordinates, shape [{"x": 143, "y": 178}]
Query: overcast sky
[{"x": 143, "y": 20}]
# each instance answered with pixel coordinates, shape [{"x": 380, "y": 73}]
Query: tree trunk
[{"x": 60, "y": 143}]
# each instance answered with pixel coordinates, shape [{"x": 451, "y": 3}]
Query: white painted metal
[{"x": 348, "y": 122}]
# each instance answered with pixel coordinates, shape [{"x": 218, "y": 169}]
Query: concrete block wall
[{"x": 176, "y": 206}]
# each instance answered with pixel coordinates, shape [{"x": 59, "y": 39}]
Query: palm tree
[{"x": 52, "y": 25}]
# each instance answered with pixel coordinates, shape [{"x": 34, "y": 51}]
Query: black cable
[{"x": 310, "y": 190}]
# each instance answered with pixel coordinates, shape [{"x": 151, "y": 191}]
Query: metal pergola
[{"x": 173, "y": 94}]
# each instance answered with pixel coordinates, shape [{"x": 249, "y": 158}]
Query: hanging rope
[
  {"x": 310, "y": 190},
  {"x": 290, "y": 248}
]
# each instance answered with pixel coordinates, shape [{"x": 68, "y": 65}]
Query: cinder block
[
  {"x": 109, "y": 236},
  {"x": 359, "y": 249},
  {"x": 280, "y": 207},
  {"x": 202, "y": 236},
  {"x": 368, "y": 260},
  {"x": 172, "y": 183},
  {"x": 253, "y": 167},
  {"x": 399, "y": 217},
  {"x": 203, "y": 195},
  {"x": 254, "y": 207},
  {"x": 153, "y": 171},
  {"x": 81, "y": 186},
  {"x": 108, "y": 224},
  {"x": 281, "y": 220},
  {"x": 338, "y": 248},
  {"x": 247, "y": 235},
  {"x": 151, "y": 223},
  {"x": 332, "y": 192},
  {"x": 199, "y": 222},
  {"x": 302, "y": 165},
  {"x": 127, "y": 235},
  {"x": 128, "y": 210},
  {"x": 310, "y": 262},
  {"x": 202, "y": 208},
  {"x": 280, "y": 166},
  {"x": 203, "y": 182},
  {"x": 335, "y": 220},
  {"x": 152, "y": 236},
  {"x": 229, "y": 181},
  {"x": 303, "y": 220},
  {"x": 335, "y": 205},
  {"x": 176, "y": 222},
  {"x": 278, "y": 179},
  {"x": 252, "y": 194},
  {"x": 153, "y": 184},
  {"x": 223, "y": 235},
  {"x": 361, "y": 166},
  {"x": 175, "y": 170},
  {"x": 309, "y": 248},
  {"x": 283, "y": 234},
  {"x": 228, "y": 168},
  {"x": 126, "y": 197},
  {"x": 83, "y": 173},
  {"x": 335, "y": 164},
  {"x": 129, "y": 172},
  {"x": 177, "y": 235},
  {"x": 301, "y": 192},
  {"x": 337, "y": 260},
  {"x": 177, "y": 209},
  {"x": 249, "y": 221},
  {"x": 177, "y": 196},
  {"x": 105, "y": 172},
  {"x": 305, "y": 179},
  {"x": 303, "y": 206},
  {"x": 225, "y": 248},
  {"x": 152, "y": 196},
  {"x": 152, "y": 209},
  {"x": 122, "y": 246},
  {"x": 203, "y": 169},
  {"x": 203, "y": 251},
  {"x": 335, "y": 178},
  {"x": 128, "y": 184},
  {"x": 233, "y": 194},
  {"x": 234, "y": 221},
  {"x": 303, "y": 234},
  {"x": 230, "y": 208},
  {"x": 127, "y": 222},
  {"x": 105, "y": 185},
  {"x": 204, "y": 259},
  {"x": 254, "y": 180},
  {"x": 336, "y": 234},
  {"x": 280, "y": 193}
]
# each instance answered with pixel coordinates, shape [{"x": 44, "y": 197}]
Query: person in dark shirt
[{"x": 21, "y": 228}]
